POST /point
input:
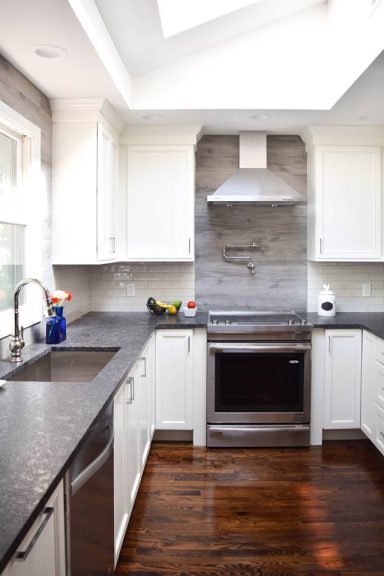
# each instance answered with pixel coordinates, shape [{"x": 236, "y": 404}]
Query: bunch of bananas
[{"x": 158, "y": 307}]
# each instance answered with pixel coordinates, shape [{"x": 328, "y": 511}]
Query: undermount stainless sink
[{"x": 65, "y": 366}]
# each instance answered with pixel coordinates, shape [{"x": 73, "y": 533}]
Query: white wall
[{"x": 74, "y": 279}]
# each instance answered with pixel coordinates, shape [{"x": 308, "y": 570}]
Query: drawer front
[
  {"x": 379, "y": 436},
  {"x": 380, "y": 384},
  {"x": 380, "y": 350}
]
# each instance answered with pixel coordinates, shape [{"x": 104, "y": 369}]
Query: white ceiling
[{"x": 135, "y": 30}]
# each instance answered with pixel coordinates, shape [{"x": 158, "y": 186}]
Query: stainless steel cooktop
[{"x": 255, "y": 321}]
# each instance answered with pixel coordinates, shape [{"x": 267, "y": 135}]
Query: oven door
[{"x": 261, "y": 383}]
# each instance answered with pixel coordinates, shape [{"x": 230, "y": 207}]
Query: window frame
[{"x": 25, "y": 210}]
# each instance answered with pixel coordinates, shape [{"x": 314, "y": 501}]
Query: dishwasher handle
[{"x": 93, "y": 467}]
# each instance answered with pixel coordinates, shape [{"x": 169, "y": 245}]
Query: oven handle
[{"x": 218, "y": 347}]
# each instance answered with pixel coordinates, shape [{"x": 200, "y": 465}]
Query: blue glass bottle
[{"x": 56, "y": 328}]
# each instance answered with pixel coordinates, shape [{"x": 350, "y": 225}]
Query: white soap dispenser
[{"x": 327, "y": 302}]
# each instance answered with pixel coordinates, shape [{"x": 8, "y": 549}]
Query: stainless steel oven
[{"x": 259, "y": 377}]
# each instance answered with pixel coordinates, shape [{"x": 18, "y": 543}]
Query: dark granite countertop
[
  {"x": 43, "y": 424},
  {"x": 371, "y": 321}
]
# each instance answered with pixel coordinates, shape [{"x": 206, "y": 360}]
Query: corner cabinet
[
  {"x": 160, "y": 202},
  {"x": 345, "y": 207},
  {"x": 86, "y": 203},
  {"x": 342, "y": 383},
  {"x": 372, "y": 402}
]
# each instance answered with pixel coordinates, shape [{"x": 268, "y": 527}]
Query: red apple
[{"x": 191, "y": 304}]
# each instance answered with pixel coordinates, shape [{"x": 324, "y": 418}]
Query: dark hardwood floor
[{"x": 258, "y": 512}]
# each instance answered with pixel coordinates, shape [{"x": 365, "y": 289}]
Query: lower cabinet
[
  {"x": 133, "y": 430},
  {"x": 42, "y": 552},
  {"x": 174, "y": 379},
  {"x": 372, "y": 401},
  {"x": 368, "y": 388},
  {"x": 342, "y": 379}
]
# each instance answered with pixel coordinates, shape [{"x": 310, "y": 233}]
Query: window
[{"x": 20, "y": 213}]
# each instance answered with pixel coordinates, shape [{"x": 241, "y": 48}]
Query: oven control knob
[
  {"x": 291, "y": 322},
  {"x": 304, "y": 322}
]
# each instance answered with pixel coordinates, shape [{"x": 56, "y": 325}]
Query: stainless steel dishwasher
[{"x": 89, "y": 503}]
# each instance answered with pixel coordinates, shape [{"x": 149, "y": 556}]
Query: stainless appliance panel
[
  {"x": 248, "y": 436},
  {"x": 89, "y": 499}
]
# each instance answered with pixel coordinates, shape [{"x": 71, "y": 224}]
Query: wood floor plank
[{"x": 258, "y": 512}]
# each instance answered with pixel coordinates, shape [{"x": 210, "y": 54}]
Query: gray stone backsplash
[{"x": 280, "y": 280}]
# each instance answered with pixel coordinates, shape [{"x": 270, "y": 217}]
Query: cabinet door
[
  {"x": 145, "y": 442},
  {"x": 342, "y": 378},
  {"x": 107, "y": 194},
  {"x": 121, "y": 511},
  {"x": 368, "y": 390},
  {"x": 379, "y": 428},
  {"x": 133, "y": 434},
  {"x": 151, "y": 375},
  {"x": 348, "y": 203},
  {"x": 44, "y": 545},
  {"x": 160, "y": 203},
  {"x": 174, "y": 380}
]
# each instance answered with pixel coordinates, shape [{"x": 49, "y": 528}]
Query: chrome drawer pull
[{"x": 23, "y": 554}]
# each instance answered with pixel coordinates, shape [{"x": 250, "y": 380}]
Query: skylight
[{"x": 179, "y": 15}]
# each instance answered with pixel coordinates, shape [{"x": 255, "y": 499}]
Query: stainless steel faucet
[{"x": 17, "y": 340}]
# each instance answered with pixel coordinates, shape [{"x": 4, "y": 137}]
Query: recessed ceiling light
[
  {"x": 152, "y": 116},
  {"x": 49, "y": 51},
  {"x": 260, "y": 117}
]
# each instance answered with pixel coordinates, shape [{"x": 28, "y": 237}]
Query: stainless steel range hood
[{"x": 253, "y": 183}]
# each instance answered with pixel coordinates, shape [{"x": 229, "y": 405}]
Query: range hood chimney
[{"x": 253, "y": 183}]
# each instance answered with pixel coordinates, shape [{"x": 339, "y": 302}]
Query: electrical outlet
[
  {"x": 131, "y": 290},
  {"x": 366, "y": 289}
]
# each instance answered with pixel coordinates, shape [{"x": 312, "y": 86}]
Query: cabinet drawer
[
  {"x": 380, "y": 350},
  {"x": 379, "y": 435},
  {"x": 380, "y": 384}
]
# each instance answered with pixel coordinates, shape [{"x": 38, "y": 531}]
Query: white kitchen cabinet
[
  {"x": 160, "y": 202},
  {"x": 133, "y": 431},
  {"x": 342, "y": 386},
  {"x": 379, "y": 428},
  {"x": 368, "y": 384},
  {"x": 120, "y": 459},
  {"x": 44, "y": 546},
  {"x": 174, "y": 379},
  {"x": 347, "y": 203},
  {"x": 86, "y": 204}
]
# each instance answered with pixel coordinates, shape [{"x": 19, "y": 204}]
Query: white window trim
[{"x": 32, "y": 185}]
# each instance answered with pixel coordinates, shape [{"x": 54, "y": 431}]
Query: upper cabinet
[
  {"x": 160, "y": 175},
  {"x": 87, "y": 225},
  {"x": 345, "y": 207}
]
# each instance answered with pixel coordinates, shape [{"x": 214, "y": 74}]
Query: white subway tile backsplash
[
  {"x": 164, "y": 281},
  {"x": 346, "y": 281}
]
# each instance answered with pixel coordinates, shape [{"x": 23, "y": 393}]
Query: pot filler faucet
[{"x": 17, "y": 340}]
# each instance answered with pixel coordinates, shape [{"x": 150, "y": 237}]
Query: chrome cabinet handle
[
  {"x": 189, "y": 344},
  {"x": 113, "y": 244},
  {"x": 23, "y": 554},
  {"x": 144, "y": 359},
  {"x": 321, "y": 245},
  {"x": 131, "y": 382},
  {"x": 329, "y": 344}
]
